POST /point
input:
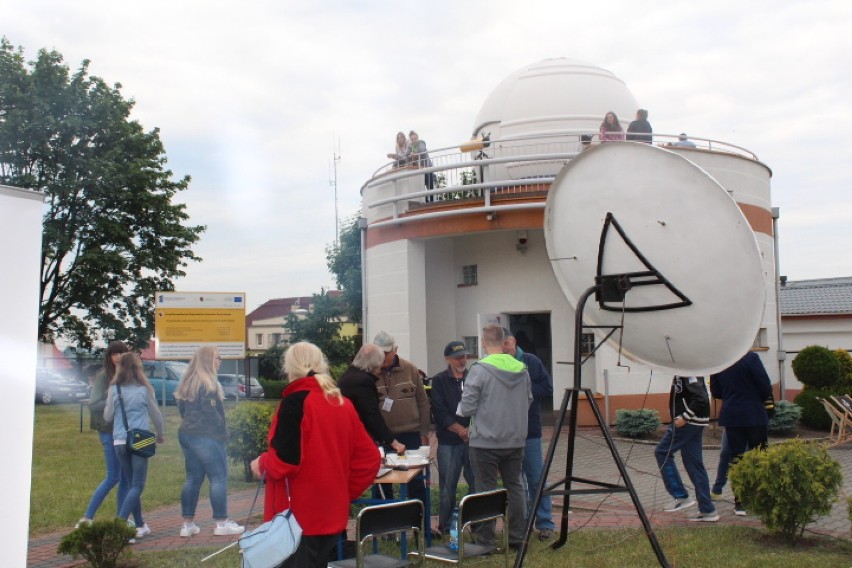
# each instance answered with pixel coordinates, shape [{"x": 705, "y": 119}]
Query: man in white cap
[{"x": 404, "y": 403}]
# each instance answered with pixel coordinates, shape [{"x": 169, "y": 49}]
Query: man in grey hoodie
[{"x": 497, "y": 395}]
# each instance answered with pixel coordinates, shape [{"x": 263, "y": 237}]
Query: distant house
[
  {"x": 814, "y": 312},
  {"x": 265, "y": 325}
]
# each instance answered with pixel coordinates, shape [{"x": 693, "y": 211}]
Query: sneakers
[
  {"x": 545, "y": 535},
  {"x": 189, "y": 529},
  {"x": 142, "y": 531},
  {"x": 739, "y": 510},
  {"x": 680, "y": 505},
  {"x": 705, "y": 517},
  {"x": 131, "y": 525},
  {"x": 83, "y": 521},
  {"x": 228, "y": 527},
  {"x": 715, "y": 496}
]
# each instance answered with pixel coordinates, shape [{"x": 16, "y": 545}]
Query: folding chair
[
  {"x": 844, "y": 401},
  {"x": 474, "y": 509},
  {"x": 841, "y": 423},
  {"x": 377, "y": 520}
]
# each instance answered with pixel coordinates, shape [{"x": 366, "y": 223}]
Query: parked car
[
  {"x": 235, "y": 385},
  {"x": 165, "y": 374},
  {"x": 51, "y": 387}
]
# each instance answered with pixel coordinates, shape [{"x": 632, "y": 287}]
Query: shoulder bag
[{"x": 139, "y": 441}]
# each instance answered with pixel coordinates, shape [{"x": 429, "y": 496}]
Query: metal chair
[
  {"x": 474, "y": 509},
  {"x": 377, "y": 520}
]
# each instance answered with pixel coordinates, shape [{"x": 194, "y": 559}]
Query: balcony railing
[{"x": 509, "y": 167}]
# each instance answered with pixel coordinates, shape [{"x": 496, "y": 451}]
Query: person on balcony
[
  {"x": 683, "y": 141},
  {"x": 611, "y": 130},
  {"x": 401, "y": 151},
  {"x": 640, "y": 129},
  {"x": 419, "y": 156}
]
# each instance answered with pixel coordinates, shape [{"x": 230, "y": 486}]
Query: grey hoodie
[{"x": 497, "y": 394}]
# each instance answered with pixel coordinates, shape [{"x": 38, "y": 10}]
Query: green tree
[
  {"x": 321, "y": 326},
  {"x": 111, "y": 234},
  {"x": 344, "y": 262}
]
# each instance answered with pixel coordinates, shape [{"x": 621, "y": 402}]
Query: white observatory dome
[{"x": 554, "y": 95}]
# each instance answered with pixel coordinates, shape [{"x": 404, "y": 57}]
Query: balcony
[{"x": 510, "y": 174}]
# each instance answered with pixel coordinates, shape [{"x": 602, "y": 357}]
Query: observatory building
[{"x": 440, "y": 264}]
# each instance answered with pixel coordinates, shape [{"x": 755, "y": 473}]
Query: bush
[
  {"x": 637, "y": 423},
  {"x": 817, "y": 367},
  {"x": 813, "y": 413},
  {"x": 248, "y": 426},
  {"x": 101, "y": 543},
  {"x": 786, "y": 417},
  {"x": 845, "y": 359},
  {"x": 788, "y": 485},
  {"x": 272, "y": 389}
]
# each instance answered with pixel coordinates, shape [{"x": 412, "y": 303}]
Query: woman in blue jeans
[
  {"x": 202, "y": 435},
  {"x": 97, "y": 402},
  {"x": 135, "y": 405}
]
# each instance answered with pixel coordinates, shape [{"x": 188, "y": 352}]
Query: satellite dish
[{"x": 681, "y": 245}]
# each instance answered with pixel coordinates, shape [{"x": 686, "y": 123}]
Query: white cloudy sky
[{"x": 252, "y": 98}]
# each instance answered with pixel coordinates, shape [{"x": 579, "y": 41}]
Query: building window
[
  {"x": 760, "y": 339},
  {"x": 276, "y": 338},
  {"x": 587, "y": 343},
  {"x": 469, "y": 276},
  {"x": 471, "y": 344},
  {"x": 258, "y": 339}
]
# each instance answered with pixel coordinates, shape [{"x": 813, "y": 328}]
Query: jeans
[
  {"x": 487, "y": 463},
  {"x": 204, "y": 457},
  {"x": 687, "y": 440},
  {"x": 741, "y": 440},
  {"x": 532, "y": 475},
  {"x": 135, "y": 469},
  {"x": 452, "y": 459},
  {"x": 724, "y": 464},
  {"x": 114, "y": 476}
]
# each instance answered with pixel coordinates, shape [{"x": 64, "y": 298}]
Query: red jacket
[{"x": 322, "y": 448}]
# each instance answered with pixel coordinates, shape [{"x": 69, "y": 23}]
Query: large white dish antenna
[{"x": 691, "y": 233}]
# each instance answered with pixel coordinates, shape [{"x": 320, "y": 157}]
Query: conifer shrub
[
  {"x": 787, "y": 415},
  {"x": 101, "y": 543},
  {"x": 845, "y": 359},
  {"x": 813, "y": 412},
  {"x": 248, "y": 427},
  {"x": 788, "y": 485},
  {"x": 272, "y": 389},
  {"x": 637, "y": 423},
  {"x": 817, "y": 367}
]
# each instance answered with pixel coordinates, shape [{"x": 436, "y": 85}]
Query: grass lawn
[{"x": 69, "y": 464}]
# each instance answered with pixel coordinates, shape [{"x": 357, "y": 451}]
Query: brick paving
[{"x": 592, "y": 461}]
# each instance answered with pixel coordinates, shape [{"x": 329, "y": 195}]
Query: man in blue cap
[{"x": 451, "y": 430}]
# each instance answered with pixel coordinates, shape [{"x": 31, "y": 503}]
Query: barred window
[
  {"x": 471, "y": 344},
  {"x": 469, "y": 276},
  {"x": 587, "y": 343}
]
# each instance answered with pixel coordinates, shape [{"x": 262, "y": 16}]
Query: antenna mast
[{"x": 335, "y": 157}]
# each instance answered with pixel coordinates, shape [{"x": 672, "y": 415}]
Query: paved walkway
[{"x": 592, "y": 461}]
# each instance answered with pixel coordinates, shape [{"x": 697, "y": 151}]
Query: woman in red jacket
[{"x": 320, "y": 457}]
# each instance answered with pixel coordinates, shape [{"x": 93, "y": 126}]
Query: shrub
[
  {"x": 845, "y": 359},
  {"x": 788, "y": 485},
  {"x": 786, "y": 417},
  {"x": 813, "y": 413},
  {"x": 248, "y": 426},
  {"x": 637, "y": 423},
  {"x": 817, "y": 367},
  {"x": 100, "y": 543},
  {"x": 272, "y": 389}
]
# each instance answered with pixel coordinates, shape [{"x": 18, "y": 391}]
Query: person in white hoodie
[{"x": 497, "y": 395}]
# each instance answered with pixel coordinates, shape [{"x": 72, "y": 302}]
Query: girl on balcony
[
  {"x": 611, "y": 130},
  {"x": 400, "y": 153}
]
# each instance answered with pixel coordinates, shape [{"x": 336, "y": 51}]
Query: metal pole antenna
[{"x": 335, "y": 157}]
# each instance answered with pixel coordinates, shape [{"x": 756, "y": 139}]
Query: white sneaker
[
  {"x": 131, "y": 525},
  {"x": 83, "y": 521},
  {"x": 680, "y": 505},
  {"x": 189, "y": 529},
  {"x": 228, "y": 527},
  {"x": 142, "y": 531},
  {"x": 705, "y": 517}
]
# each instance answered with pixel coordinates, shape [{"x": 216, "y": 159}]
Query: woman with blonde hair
[
  {"x": 129, "y": 403},
  {"x": 203, "y": 435},
  {"x": 319, "y": 457},
  {"x": 400, "y": 152}
]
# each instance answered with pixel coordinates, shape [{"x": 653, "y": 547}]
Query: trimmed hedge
[{"x": 817, "y": 367}]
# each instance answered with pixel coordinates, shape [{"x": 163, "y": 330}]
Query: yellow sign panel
[{"x": 184, "y": 321}]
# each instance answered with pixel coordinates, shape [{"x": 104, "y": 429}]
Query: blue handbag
[{"x": 273, "y": 542}]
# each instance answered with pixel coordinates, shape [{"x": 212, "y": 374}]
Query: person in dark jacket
[
  {"x": 640, "y": 129},
  {"x": 358, "y": 384},
  {"x": 689, "y": 405},
  {"x": 542, "y": 387},
  {"x": 743, "y": 387},
  {"x": 451, "y": 431}
]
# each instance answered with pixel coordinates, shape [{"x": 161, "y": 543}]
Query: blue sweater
[
  {"x": 542, "y": 387},
  {"x": 743, "y": 387},
  {"x": 446, "y": 395}
]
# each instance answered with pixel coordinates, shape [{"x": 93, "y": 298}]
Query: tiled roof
[
  {"x": 823, "y": 296},
  {"x": 277, "y": 308}
]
